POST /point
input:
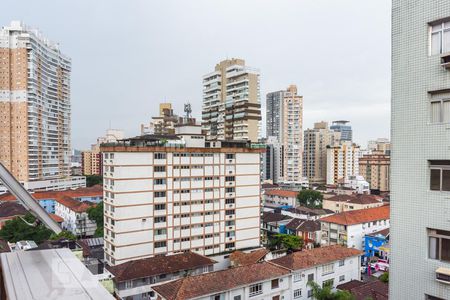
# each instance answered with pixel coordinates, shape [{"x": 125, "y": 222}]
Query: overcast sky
[{"x": 127, "y": 56}]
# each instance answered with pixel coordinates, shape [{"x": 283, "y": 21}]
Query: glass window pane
[
  {"x": 433, "y": 248},
  {"x": 445, "y": 250},
  {"x": 446, "y": 25},
  {"x": 446, "y": 42},
  {"x": 446, "y": 111},
  {"x": 435, "y": 112},
  {"x": 435, "y": 179},
  {"x": 436, "y": 43},
  {"x": 436, "y": 27},
  {"x": 446, "y": 180}
]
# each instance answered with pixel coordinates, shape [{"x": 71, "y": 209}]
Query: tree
[
  {"x": 17, "y": 230},
  {"x": 95, "y": 214},
  {"x": 310, "y": 198},
  {"x": 384, "y": 277},
  {"x": 286, "y": 241},
  {"x": 92, "y": 180},
  {"x": 63, "y": 235},
  {"x": 326, "y": 293}
]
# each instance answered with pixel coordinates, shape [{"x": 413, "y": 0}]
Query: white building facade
[{"x": 342, "y": 161}]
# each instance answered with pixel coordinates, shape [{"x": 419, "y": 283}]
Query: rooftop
[
  {"x": 282, "y": 193},
  {"x": 357, "y": 199},
  {"x": 75, "y": 205},
  {"x": 297, "y": 224},
  {"x": 158, "y": 265},
  {"x": 269, "y": 217},
  {"x": 11, "y": 209},
  {"x": 94, "y": 191},
  {"x": 359, "y": 216},
  {"x": 215, "y": 282},
  {"x": 239, "y": 258},
  {"x": 376, "y": 289},
  {"x": 384, "y": 232},
  {"x": 318, "y": 256},
  {"x": 310, "y": 211}
]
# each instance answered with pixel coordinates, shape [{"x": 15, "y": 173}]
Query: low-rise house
[
  {"x": 374, "y": 290},
  {"x": 330, "y": 266},
  {"x": 305, "y": 213},
  {"x": 10, "y": 210},
  {"x": 240, "y": 258},
  {"x": 377, "y": 245},
  {"x": 349, "y": 228},
  {"x": 280, "y": 198},
  {"x": 135, "y": 279},
  {"x": 256, "y": 281},
  {"x": 343, "y": 203},
  {"x": 308, "y": 230},
  {"x": 272, "y": 223},
  {"x": 75, "y": 216}
]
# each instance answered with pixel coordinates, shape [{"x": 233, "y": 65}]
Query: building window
[
  {"x": 440, "y": 175},
  {"x": 229, "y": 245},
  {"x": 238, "y": 297},
  {"x": 218, "y": 297},
  {"x": 229, "y": 178},
  {"x": 255, "y": 289},
  {"x": 160, "y": 206},
  {"x": 160, "y": 168},
  {"x": 341, "y": 263},
  {"x": 297, "y": 293},
  {"x": 229, "y": 201},
  {"x": 159, "y": 219},
  {"x": 311, "y": 277},
  {"x": 275, "y": 284},
  {"x": 440, "y": 111},
  {"x": 329, "y": 283},
  {"x": 440, "y": 37},
  {"x": 229, "y": 190},
  {"x": 160, "y": 231},
  {"x": 160, "y": 194},
  {"x": 159, "y": 156},
  {"x": 229, "y": 156},
  {"x": 229, "y": 212},
  {"x": 297, "y": 277},
  {"x": 341, "y": 278},
  {"x": 160, "y": 244},
  {"x": 310, "y": 293},
  {"x": 160, "y": 181},
  {"x": 328, "y": 269},
  {"x": 439, "y": 244}
]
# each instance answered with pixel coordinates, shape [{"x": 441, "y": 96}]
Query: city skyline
[{"x": 328, "y": 89}]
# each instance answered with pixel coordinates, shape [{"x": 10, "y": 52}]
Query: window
[
  {"x": 297, "y": 277},
  {"x": 311, "y": 277},
  {"x": 160, "y": 244},
  {"x": 329, "y": 283},
  {"x": 160, "y": 231},
  {"x": 327, "y": 269},
  {"x": 440, "y": 175},
  {"x": 229, "y": 212},
  {"x": 440, "y": 111},
  {"x": 310, "y": 293},
  {"x": 229, "y": 223},
  {"x": 297, "y": 293},
  {"x": 341, "y": 263},
  {"x": 229, "y": 201},
  {"x": 160, "y": 206},
  {"x": 160, "y": 168},
  {"x": 341, "y": 278},
  {"x": 160, "y": 181},
  {"x": 255, "y": 289},
  {"x": 229, "y": 245},
  {"x": 229, "y": 190},
  {"x": 159, "y": 194},
  {"x": 238, "y": 297},
  {"x": 160, "y": 219},
  {"x": 229, "y": 156},
  {"x": 159, "y": 156},
  {"x": 439, "y": 244},
  {"x": 218, "y": 297},
  {"x": 275, "y": 284},
  {"x": 229, "y": 178},
  {"x": 440, "y": 37}
]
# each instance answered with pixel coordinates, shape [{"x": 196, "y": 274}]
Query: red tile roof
[
  {"x": 12, "y": 209},
  {"x": 357, "y": 199},
  {"x": 56, "y": 218},
  {"x": 94, "y": 191},
  {"x": 159, "y": 265},
  {"x": 282, "y": 193},
  {"x": 318, "y": 256},
  {"x": 359, "y": 216},
  {"x": 215, "y": 282},
  {"x": 376, "y": 290},
  {"x": 74, "y": 205},
  {"x": 239, "y": 258}
]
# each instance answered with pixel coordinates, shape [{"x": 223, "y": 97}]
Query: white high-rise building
[
  {"x": 342, "y": 162},
  {"x": 420, "y": 158},
  {"x": 176, "y": 194},
  {"x": 272, "y": 160},
  {"x": 285, "y": 122}
]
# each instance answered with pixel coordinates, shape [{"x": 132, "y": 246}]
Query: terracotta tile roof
[
  {"x": 318, "y": 256},
  {"x": 269, "y": 217},
  {"x": 376, "y": 290},
  {"x": 159, "y": 265},
  {"x": 269, "y": 186},
  {"x": 239, "y": 258},
  {"x": 384, "y": 232},
  {"x": 359, "y": 216},
  {"x": 74, "y": 205},
  {"x": 303, "y": 225},
  {"x": 216, "y": 282},
  {"x": 11, "y": 209},
  {"x": 310, "y": 211},
  {"x": 282, "y": 193},
  {"x": 56, "y": 218},
  {"x": 94, "y": 191},
  {"x": 357, "y": 199}
]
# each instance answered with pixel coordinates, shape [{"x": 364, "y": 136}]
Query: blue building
[
  {"x": 48, "y": 205},
  {"x": 345, "y": 130},
  {"x": 377, "y": 244}
]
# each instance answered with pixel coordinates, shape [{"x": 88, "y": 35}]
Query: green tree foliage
[
  {"x": 310, "y": 198},
  {"x": 96, "y": 215},
  {"x": 92, "y": 180},
  {"x": 326, "y": 293},
  {"x": 385, "y": 277},
  {"x": 286, "y": 241},
  {"x": 63, "y": 235},
  {"x": 17, "y": 230}
]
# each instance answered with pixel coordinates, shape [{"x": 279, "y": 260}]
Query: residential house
[
  {"x": 377, "y": 244},
  {"x": 75, "y": 216},
  {"x": 306, "y": 213},
  {"x": 240, "y": 258},
  {"x": 135, "y": 279},
  {"x": 273, "y": 223},
  {"x": 374, "y": 289},
  {"x": 308, "y": 230},
  {"x": 349, "y": 228},
  {"x": 9, "y": 211},
  {"x": 280, "y": 198},
  {"x": 343, "y": 203}
]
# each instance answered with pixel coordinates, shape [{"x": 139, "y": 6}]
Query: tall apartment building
[
  {"x": 34, "y": 106},
  {"x": 342, "y": 162},
  {"x": 345, "y": 130},
  {"x": 375, "y": 168},
  {"x": 316, "y": 141},
  {"x": 285, "y": 122},
  {"x": 231, "y": 102},
  {"x": 166, "y": 121},
  {"x": 272, "y": 160},
  {"x": 420, "y": 171},
  {"x": 382, "y": 145},
  {"x": 167, "y": 195}
]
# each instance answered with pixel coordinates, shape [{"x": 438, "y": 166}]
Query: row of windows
[
  {"x": 196, "y": 202},
  {"x": 197, "y": 214},
  {"x": 196, "y": 237}
]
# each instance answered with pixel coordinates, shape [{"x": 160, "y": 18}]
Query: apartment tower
[
  {"x": 420, "y": 158},
  {"x": 345, "y": 130},
  {"x": 316, "y": 141},
  {"x": 375, "y": 168},
  {"x": 285, "y": 122},
  {"x": 177, "y": 193},
  {"x": 342, "y": 162},
  {"x": 34, "y": 105},
  {"x": 231, "y": 102}
]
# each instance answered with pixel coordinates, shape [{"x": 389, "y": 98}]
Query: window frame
[
  {"x": 298, "y": 292},
  {"x": 441, "y": 111},
  {"x": 441, "y": 32},
  {"x": 255, "y": 289},
  {"x": 434, "y": 234},
  {"x": 441, "y": 168}
]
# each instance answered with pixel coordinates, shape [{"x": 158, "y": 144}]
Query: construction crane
[{"x": 27, "y": 200}]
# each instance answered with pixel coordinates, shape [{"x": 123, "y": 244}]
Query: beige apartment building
[
  {"x": 231, "y": 102},
  {"x": 316, "y": 141},
  {"x": 342, "y": 161},
  {"x": 375, "y": 168},
  {"x": 34, "y": 105}
]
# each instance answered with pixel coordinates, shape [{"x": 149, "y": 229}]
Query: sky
[{"x": 128, "y": 56}]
